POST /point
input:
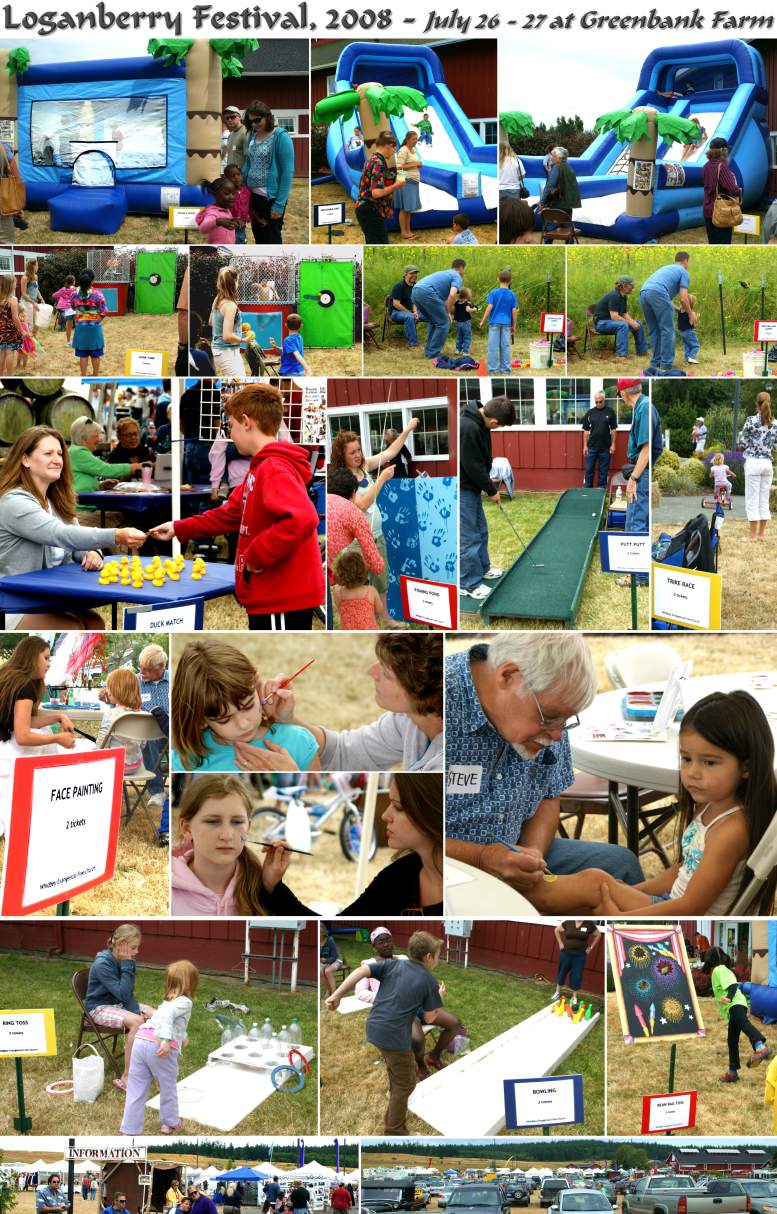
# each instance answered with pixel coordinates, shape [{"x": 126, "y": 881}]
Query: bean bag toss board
[
  {"x": 564, "y": 547},
  {"x": 467, "y": 1097}
]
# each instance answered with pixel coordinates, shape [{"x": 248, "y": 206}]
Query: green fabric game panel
[
  {"x": 155, "y": 282},
  {"x": 564, "y": 547},
  {"x": 326, "y": 291}
]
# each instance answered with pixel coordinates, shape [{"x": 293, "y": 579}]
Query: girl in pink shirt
[
  {"x": 240, "y": 207},
  {"x": 216, "y": 221}
]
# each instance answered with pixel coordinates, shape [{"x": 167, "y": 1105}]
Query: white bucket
[
  {"x": 753, "y": 363},
  {"x": 539, "y": 353}
]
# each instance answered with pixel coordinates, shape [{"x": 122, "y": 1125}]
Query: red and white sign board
[
  {"x": 553, "y": 322},
  {"x": 765, "y": 330},
  {"x": 63, "y": 829},
  {"x": 673, "y": 1111},
  {"x": 432, "y": 603}
]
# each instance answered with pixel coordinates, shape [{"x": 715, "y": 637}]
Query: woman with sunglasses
[{"x": 268, "y": 171}]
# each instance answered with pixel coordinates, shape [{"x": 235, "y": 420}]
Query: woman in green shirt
[
  {"x": 88, "y": 468},
  {"x": 732, "y": 1005}
]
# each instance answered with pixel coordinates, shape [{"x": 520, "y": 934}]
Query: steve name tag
[{"x": 464, "y": 779}]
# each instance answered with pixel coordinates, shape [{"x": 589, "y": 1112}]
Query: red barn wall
[
  {"x": 280, "y": 93},
  {"x": 768, "y": 49},
  {"x": 212, "y": 945},
  {"x": 524, "y": 948},
  {"x": 353, "y": 393},
  {"x": 551, "y": 458}
]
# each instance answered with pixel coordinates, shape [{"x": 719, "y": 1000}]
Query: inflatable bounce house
[
  {"x": 761, "y": 990},
  {"x": 459, "y": 171},
  {"x": 102, "y": 139},
  {"x": 635, "y": 190}
]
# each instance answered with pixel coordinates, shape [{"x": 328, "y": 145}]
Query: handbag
[
  {"x": 726, "y": 212},
  {"x": 12, "y": 192}
]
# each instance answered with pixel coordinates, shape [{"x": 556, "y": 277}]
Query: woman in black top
[
  {"x": 412, "y": 884},
  {"x": 131, "y": 447}
]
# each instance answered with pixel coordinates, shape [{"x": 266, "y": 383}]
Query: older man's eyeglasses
[{"x": 554, "y": 722}]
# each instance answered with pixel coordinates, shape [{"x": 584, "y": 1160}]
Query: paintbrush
[{"x": 286, "y": 682}]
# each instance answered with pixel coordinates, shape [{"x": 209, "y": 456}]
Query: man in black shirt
[
  {"x": 611, "y": 316},
  {"x": 299, "y": 1196},
  {"x": 403, "y": 310},
  {"x": 600, "y": 426},
  {"x": 475, "y": 461}
]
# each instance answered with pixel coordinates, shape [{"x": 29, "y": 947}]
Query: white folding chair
[
  {"x": 140, "y": 727},
  {"x": 762, "y": 863},
  {"x": 652, "y": 662}
]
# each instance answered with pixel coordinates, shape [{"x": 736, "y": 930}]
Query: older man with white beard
[{"x": 508, "y": 706}]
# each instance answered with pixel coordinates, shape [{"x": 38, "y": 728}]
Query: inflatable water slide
[
  {"x": 720, "y": 84},
  {"x": 459, "y": 172}
]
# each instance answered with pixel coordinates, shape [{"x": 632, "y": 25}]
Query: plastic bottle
[
  {"x": 275, "y": 1045},
  {"x": 618, "y": 493},
  {"x": 240, "y": 1029},
  {"x": 254, "y": 1034},
  {"x": 295, "y": 1032},
  {"x": 284, "y": 1037},
  {"x": 266, "y": 1029},
  {"x": 226, "y": 1036}
]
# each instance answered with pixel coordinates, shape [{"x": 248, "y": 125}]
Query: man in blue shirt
[
  {"x": 508, "y": 759},
  {"x": 48, "y": 1197},
  {"x": 655, "y": 297},
  {"x": 154, "y": 685},
  {"x": 433, "y": 297}
]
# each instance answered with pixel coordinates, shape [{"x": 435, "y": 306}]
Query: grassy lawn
[
  {"x": 395, "y": 354},
  {"x": 603, "y": 604},
  {"x": 488, "y": 1003},
  {"x": 712, "y": 360},
  {"x": 30, "y": 980},
  {"x": 700, "y": 1062},
  {"x": 332, "y": 191}
]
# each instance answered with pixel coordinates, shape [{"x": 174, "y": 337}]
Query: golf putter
[{"x": 506, "y": 516}]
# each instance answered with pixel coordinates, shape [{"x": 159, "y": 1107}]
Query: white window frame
[
  {"x": 8, "y": 268},
  {"x": 408, "y": 408},
  {"x": 294, "y": 115}
]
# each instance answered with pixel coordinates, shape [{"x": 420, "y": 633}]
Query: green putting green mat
[{"x": 563, "y": 546}]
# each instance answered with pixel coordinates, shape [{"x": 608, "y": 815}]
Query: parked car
[
  {"x": 608, "y": 1188},
  {"x": 391, "y": 1193},
  {"x": 581, "y": 1201},
  {"x": 679, "y": 1195},
  {"x": 550, "y": 1189},
  {"x": 762, "y": 1193},
  {"x": 478, "y": 1199},
  {"x": 519, "y": 1192}
]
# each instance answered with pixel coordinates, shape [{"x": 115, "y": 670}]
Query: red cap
[{"x": 628, "y": 383}]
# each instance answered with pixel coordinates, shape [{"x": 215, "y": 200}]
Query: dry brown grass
[
  {"x": 131, "y": 332},
  {"x": 332, "y": 191},
  {"x": 712, "y": 360},
  {"x": 634, "y": 1071},
  {"x": 749, "y": 571},
  {"x": 336, "y": 692}
]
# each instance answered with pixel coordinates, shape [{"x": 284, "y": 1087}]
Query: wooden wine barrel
[
  {"x": 61, "y": 411},
  {"x": 16, "y": 415},
  {"x": 43, "y": 387}
]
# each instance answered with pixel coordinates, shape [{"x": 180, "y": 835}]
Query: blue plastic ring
[{"x": 278, "y": 1070}]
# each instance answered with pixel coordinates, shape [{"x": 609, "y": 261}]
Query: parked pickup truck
[{"x": 679, "y": 1195}]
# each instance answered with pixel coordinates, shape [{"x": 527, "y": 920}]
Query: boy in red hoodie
[{"x": 279, "y": 577}]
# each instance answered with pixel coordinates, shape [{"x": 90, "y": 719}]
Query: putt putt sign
[
  {"x": 549, "y": 1100},
  {"x": 672, "y": 1111},
  {"x": 63, "y": 830},
  {"x": 619, "y": 553}
]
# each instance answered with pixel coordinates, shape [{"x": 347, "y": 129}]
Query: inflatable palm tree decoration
[
  {"x": 376, "y": 104},
  {"x": 641, "y": 128},
  {"x": 516, "y": 124}
]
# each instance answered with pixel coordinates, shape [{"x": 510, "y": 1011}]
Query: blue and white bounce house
[
  {"x": 102, "y": 139},
  {"x": 723, "y": 85},
  {"x": 459, "y": 171}
]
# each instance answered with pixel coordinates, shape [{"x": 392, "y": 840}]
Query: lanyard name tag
[{"x": 464, "y": 780}]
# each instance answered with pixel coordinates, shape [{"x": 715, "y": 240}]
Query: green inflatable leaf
[
  {"x": 517, "y": 123},
  {"x": 172, "y": 51},
  {"x": 393, "y": 100},
  {"x": 339, "y": 105},
  {"x": 676, "y": 130},
  {"x": 18, "y": 61},
  {"x": 628, "y": 125},
  {"x": 232, "y": 52}
]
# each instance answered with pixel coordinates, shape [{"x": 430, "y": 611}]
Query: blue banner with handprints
[{"x": 419, "y": 525}]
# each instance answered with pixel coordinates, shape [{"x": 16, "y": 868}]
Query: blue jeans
[
  {"x": 463, "y": 336},
  {"x": 151, "y": 753},
  {"x": 571, "y": 965},
  {"x": 240, "y": 236},
  {"x": 621, "y": 330},
  {"x": 499, "y": 349},
  {"x": 659, "y": 318},
  {"x": 436, "y": 315},
  {"x": 604, "y": 467},
  {"x": 474, "y": 560},
  {"x": 690, "y": 341},
  {"x": 408, "y": 320},
  {"x": 637, "y": 515},
  {"x": 566, "y": 856}
]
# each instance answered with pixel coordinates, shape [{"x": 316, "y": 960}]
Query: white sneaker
[
  {"x": 480, "y": 592},
  {"x": 493, "y": 572},
  {"x": 692, "y": 360}
]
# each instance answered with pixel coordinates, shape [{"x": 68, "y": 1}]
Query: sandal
[
  {"x": 121, "y": 1084},
  {"x": 729, "y": 1077}
]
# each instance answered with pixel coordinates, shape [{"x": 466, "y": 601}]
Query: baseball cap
[
  {"x": 231, "y": 109},
  {"x": 628, "y": 383},
  {"x": 377, "y": 932},
  {"x": 624, "y": 280},
  {"x": 411, "y": 270}
]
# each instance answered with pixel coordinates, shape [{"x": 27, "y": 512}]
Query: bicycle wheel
[
  {"x": 351, "y": 835},
  {"x": 267, "y": 826}
]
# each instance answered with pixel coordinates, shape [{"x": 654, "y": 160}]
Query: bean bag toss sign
[
  {"x": 653, "y": 984},
  {"x": 419, "y": 526},
  {"x": 326, "y": 303},
  {"x": 63, "y": 829}
]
